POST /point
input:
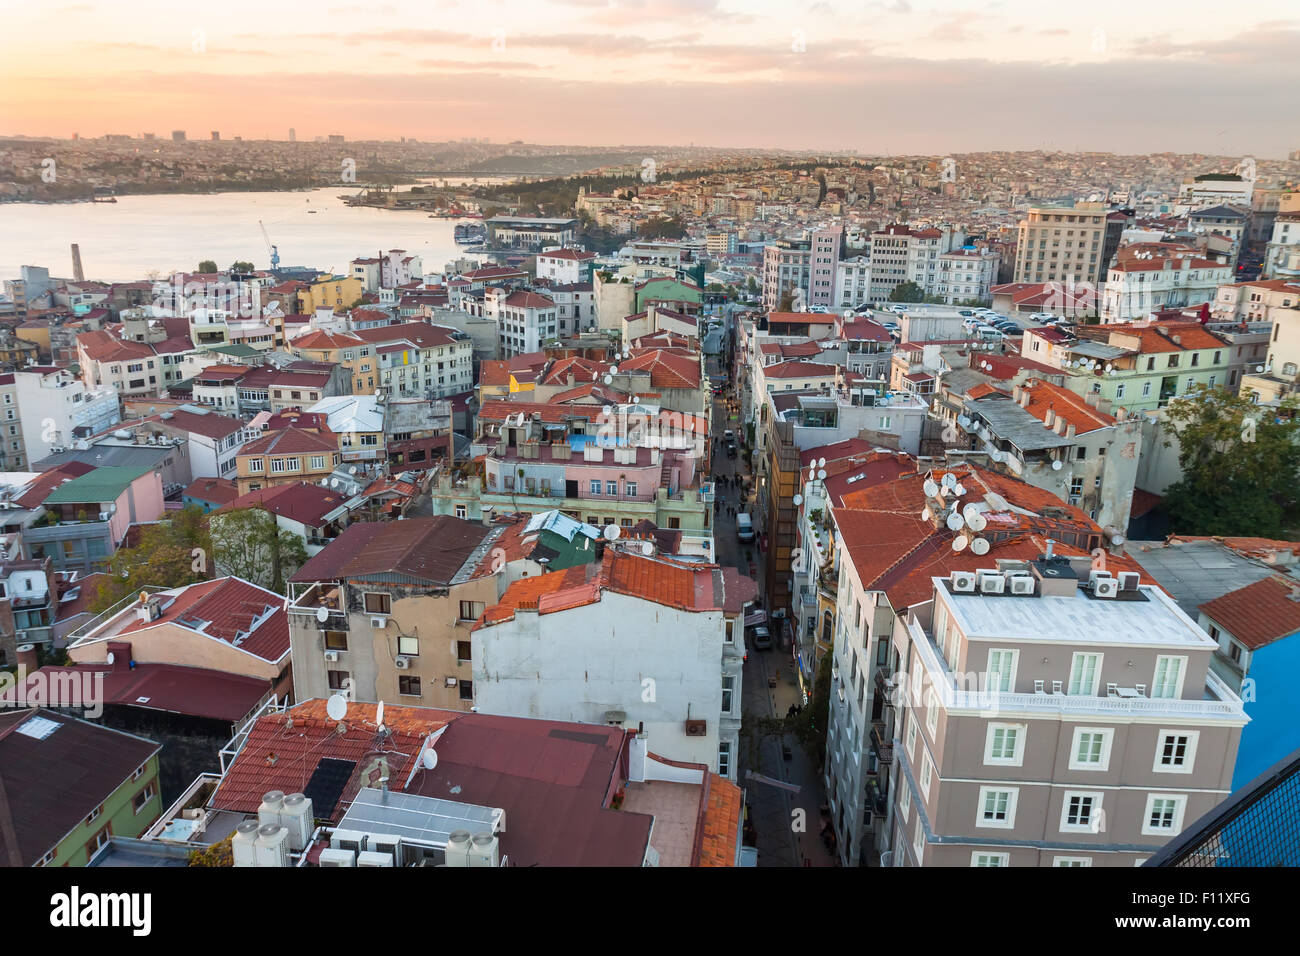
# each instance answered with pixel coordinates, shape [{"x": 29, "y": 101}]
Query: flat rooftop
[
  {"x": 417, "y": 819},
  {"x": 675, "y": 808},
  {"x": 1196, "y": 572},
  {"x": 1080, "y": 619}
]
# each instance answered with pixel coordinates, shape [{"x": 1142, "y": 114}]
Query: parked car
[
  {"x": 731, "y": 449},
  {"x": 761, "y": 638},
  {"x": 991, "y": 335}
]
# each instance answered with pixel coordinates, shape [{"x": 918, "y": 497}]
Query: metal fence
[{"x": 1259, "y": 825}]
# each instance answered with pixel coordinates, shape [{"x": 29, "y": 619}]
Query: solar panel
[
  {"x": 327, "y": 782},
  {"x": 415, "y": 818}
]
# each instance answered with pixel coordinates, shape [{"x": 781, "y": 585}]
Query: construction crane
[{"x": 275, "y": 252}]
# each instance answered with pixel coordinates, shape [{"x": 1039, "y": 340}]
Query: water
[{"x": 137, "y": 235}]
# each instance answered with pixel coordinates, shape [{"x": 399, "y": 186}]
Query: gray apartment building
[{"x": 1055, "y": 716}]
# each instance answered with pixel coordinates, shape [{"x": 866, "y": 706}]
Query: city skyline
[{"x": 887, "y": 78}]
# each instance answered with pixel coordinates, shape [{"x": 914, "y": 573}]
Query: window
[
  {"x": 595, "y": 486},
  {"x": 1146, "y": 389},
  {"x": 408, "y": 645},
  {"x": 927, "y": 771},
  {"x": 611, "y": 488},
  {"x": 1002, "y": 670},
  {"x": 377, "y": 603},
  {"x": 336, "y": 640},
  {"x": 1168, "y": 681},
  {"x": 141, "y": 799},
  {"x": 1175, "y": 751},
  {"x": 408, "y": 686},
  {"x": 918, "y": 839},
  {"x": 95, "y": 814},
  {"x": 990, "y": 859},
  {"x": 724, "y": 759},
  {"x": 931, "y": 712},
  {"x": 904, "y": 799},
  {"x": 466, "y": 690},
  {"x": 729, "y": 632},
  {"x": 471, "y": 611},
  {"x": 911, "y": 737},
  {"x": 317, "y": 462},
  {"x": 1091, "y": 748},
  {"x": 99, "y": 840},
  {"x": 463, "y": 650},
  {"x": 1164, "y": 814},
  {"x": 255, "y": 464},
  {"x": 728, "y": 692},
  {"x": 997, "y": 808},
  {"x": 1003, "y": 745},
  {"x": 1081, "y": 812},
  {"x": 1072, "y": 861},
  {"x": 1085, "y": 673},
  {"x": 338, "y": 680},
  {"x": 629, "y": 489}
]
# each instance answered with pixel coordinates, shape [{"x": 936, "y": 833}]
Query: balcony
[
  {"x": 327, "y": 596},
  {"x": 882, "y": 744}
]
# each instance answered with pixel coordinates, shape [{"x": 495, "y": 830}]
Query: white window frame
[
  {"x": 911, "y": 737},
  {"x": 1189, "y": 758},
  {"x": 1003, "y": 859},
  {"x": 904, "y": 799},
  {"x": 931, "y": 712},
  {"x": 1094, "y": 813},
  {"x": 1006, "y": 682},
  {"x": 1096, "y": 675},
  {"x": 927, "y": 774},
  {"x": 1071, "y": 861},
  {"x": 1181, "y": 660},
  {"x": 1017, "y": 757},
  {"x": 1108, "y": 740},
  {"x": 1180, "y": 801},
  {"x": 918, "y": 840},
  {"x": 1013, "y": 797}
]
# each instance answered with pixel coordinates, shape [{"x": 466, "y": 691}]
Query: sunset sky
[{"x": 894, "y": 76}]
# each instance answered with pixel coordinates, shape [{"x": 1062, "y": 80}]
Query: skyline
[{"x": 885, "y": 78}]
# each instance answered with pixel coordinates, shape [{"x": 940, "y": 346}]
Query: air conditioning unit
[
  {"x": 992, "y": 582},
  {"x": 1022, "y": 584},
  {"x": 963, "y": 582},
  {"x": 338, "y": 858},
  {"x": 379, "y": 622},
  {"x": 1105, "y": 588},
  {"x": 105, "y": 515},
  {"x": 1129, "y": 580},
  {"x": 402, "y": 662},
  {"x": 697, "y": 728},
  {"x": 348, "y": 840},
  {"x": 370, "y": 858},
  {"x": 332, "y": 657},
  {"x": 452, "y": 682},
  {"x": 1094, "y": 576}
]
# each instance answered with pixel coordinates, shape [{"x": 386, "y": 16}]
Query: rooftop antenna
[{"x": 336, "y": 707}]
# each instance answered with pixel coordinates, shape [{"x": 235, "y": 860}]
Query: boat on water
[{"x": 470, "y": 234}]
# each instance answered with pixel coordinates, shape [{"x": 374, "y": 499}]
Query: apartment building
[
  {"x": 565, "y": 266},
  {"x": 287, "y": 456},
  {"x": 1062, "y": 244},
  {"x": 853, "y": 282},
  {"x": 87, "y": 518},
  {"x": 669, "y": 636},
  {"x": 386, "y": 611},
  {"x": 411, "y": 358},
  {"x": 967, "y": 275},
  {"x": 1255, "y": 301},
  {"x": 29, "y": 599},
  {"x": 13, "y": 448},
  {"x": 807, "y": 268},
  {"x": 1152, "y": 279},
  {"x": 1049, "y": 714}
]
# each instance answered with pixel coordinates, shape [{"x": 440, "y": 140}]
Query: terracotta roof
[
  {"x": 217, "y": 491},
  {"x": 36, "y": 492},
  {"x": 723, "y": 806},
  {"x": 207, "y": 424},
  {"x": 582, "y": 370},
  {"x": 494, "y": 372},
  {"x": 103, "y": 346},
  {"x": 432, "y": 550},
  {"x": 794, "y": 369},
  {"x": 305, "y": 503},
  {"x": 528, "y": 300},
  {"x": 1065, "y": 404},
  {"x": 1259, "y": 613},
  {"x": 223, "y": 610},
  {"x": 288, "y": 441}
]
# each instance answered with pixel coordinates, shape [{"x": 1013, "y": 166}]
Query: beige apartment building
[
  {"x": 385, "y": 612},
  {"x": 1062, "y": 243},
  {"x": 1049, "y": 714}
]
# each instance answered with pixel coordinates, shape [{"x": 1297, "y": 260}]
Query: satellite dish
[
  {"x": 930, "y": 488},
  {"x": 613, "y": 370},
  {"x": 821, "y": 475},
  {"x": 996, "y": 455},
  {"x": 979, "y": 546},
  {"x": 959, "y": 489},
  {"x": 608, "y": 410},
  {"x": 352, "y": 469},
  {"x": 1259, "y": 368},
  {"x": 1117, "y": 539},
  {"x": 949, "y": 480},
  {"x": 322, "y": 614},
  {"x": 958, "y": 544},
  {"x": 429, "y": 758},
  {"x": 954, "y": 522},
  {"x": 609, "y": 379},
  {"x": 647, "y": 548},
  {"x": 821, "y": 462},
  {"x": 798, "y": 500},
  {"x": 1056, "y": 466},
  {"x": 110, "y": 657},
  {"x": 1109, "y": 367},
  {"x": 976, "y": 522},
  {"x": 336, "y": 707},
  {"x": 612, "y": 531}
]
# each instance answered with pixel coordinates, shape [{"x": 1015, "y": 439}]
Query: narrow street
[{"x": 784, "y": 838}]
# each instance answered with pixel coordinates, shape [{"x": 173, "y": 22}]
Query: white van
[{"x": 744, "y": 527}]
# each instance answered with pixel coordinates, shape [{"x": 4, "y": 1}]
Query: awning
[{"x": 756, "y": 618}]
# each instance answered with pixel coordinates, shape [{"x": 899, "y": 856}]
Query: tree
[
  {"x": 207, "y": 265},
  {"x": 249, "y": 544},
  {"x": 239, "y": 265},
  {"x": 1239, "y": 465},
  {"x": 907, "y": 292},
  {"x": 169, "y": 554}
]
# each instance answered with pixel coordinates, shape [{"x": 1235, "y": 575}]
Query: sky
[{"x": 872, "y": 76}]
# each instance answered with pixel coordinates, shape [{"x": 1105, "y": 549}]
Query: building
[
  {"x": 1149, "y": 281},
  {"x": 61, "y": 809},
  {"x": 1062, "y": 244},
  {"x": 312, "y": 513},
  {"x": 901, "y": 254},
  {"x": 13, "y": 450},
  {"x": 565, "y": 266},
  {"x": 287, "y": 456},
  {"x": 1215, "y": 189},
  {"x": 967, "y": 275},
  {"x": 853, "y": 282},
  {"x": 64, "y": 406},
  {"x": 1025, "y": 740},
  {"x": 532, "y": 234},
  {"x": 669, "y": 634},
  {"x": 806, "y": 268}
]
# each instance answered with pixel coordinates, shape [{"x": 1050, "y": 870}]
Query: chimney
[
  {"x": 486, "y": 516},
  {"x": 27, "y": 662},
  {"x": 1050, "y": 418},
  {"x": 1092, "y": 398},
  {"x": 121, "y": 651}
]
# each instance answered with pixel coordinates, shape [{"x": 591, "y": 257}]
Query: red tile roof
[
  {"x": 795, "y": 369},
  {"x": 288, "y": 441},
  {"x": 222, "y": 610},
  {"x": 723, "y": 806},
  {"x": 302, "y": 502},
  {"x": 103, "y": 346},
  {"x": 217, "y": 491},
  {"x": 1260, "y": 613}
]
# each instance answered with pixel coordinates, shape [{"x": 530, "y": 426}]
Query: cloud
[{"x": 1274, "y": 42}]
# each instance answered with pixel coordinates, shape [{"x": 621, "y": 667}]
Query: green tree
[
  {"x": 169, "y": 554},
  {"x": 249, "y": 544},
  {"x": 1239, "y": 465},
  {"x": 207, "y": 265},
  {"x": 907, "y": 292},
  {"x": 239, "y": 265}
]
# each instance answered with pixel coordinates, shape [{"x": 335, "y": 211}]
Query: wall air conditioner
[
  {"x": 991, "y": 582},
  {"x": 379, "y": 622},
  {"x": 1105, "y": 588},
  {"x": 452, "y": 681},
  {"x": 963, "y": 582},
  {"x": 401, "y": 662},
  {"x": 697, "y": 728},
  {"x": 333, "y": 857},
  {"x": 1022, "y": 584},
  {"x": 332, "y": 657},
  {"x": 1129, "y": 580}
]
